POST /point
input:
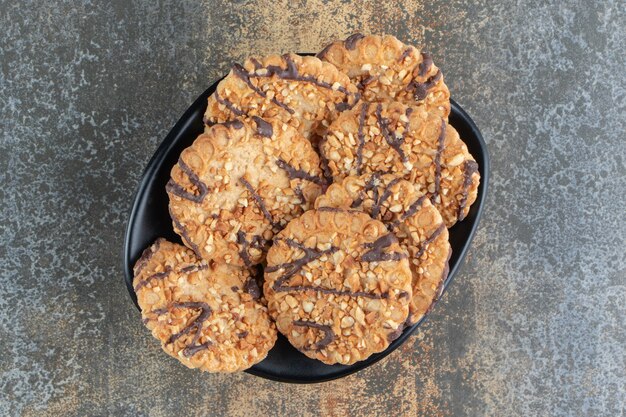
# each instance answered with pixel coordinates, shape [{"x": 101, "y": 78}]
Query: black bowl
[{"x": 149, "y": 219}]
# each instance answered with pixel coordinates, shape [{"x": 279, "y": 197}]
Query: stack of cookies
[{"x": 317, "y": 203}]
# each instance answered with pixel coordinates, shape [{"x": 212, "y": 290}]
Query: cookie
[
  {"x": 200, "y": 311},
  {"x": 412, "y": 218},
  {"x": 411, "y": 143},
  {"x": 385, "y": 69},
  {"x": 338, "y": 285},
  {"x": 301, "y": 91},
  {"x": 238, "y": 184}
]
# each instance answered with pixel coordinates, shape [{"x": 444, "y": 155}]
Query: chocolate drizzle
[
  {"x": 192, "y": 350},
  {"x": 158, "y": 275},
  {"x": 429, "y": 240},
  {"x": 338, "y": 210},
  {"x": 298, "y": 192},
  {"x": 259, "y": 201},
  {"x": 408, "y": 112},
  {"x": 194, "y": 268},
  {"x": 405, "y": 54},
  {"x": 379, "y": 199},
  {"x": 292, "y": 268},
  {"x": 195, "y": 325},
  {"x": 366, "y": 81},
  {"x": 425, "y": 65},
  {"x": 241, "y": 72},
  {"x": 146, "y": 255},
  {"x": 370, "y": 185},
  {"x": 321, "y": 54},
  {"x": 311, "y": 254},
  {"x": 304, "y": 288},
  {"x": 343, "y": 106},
  {"x": 376, "y": 254},
  {"x": 256, "y": 242},
  {"x": 440, "y": 143},
  {"x": 252, "y": 288},
  {"x": 235, "y": 124},
  {"x": 288, "y": 73},
  {"x": 182, "y": 231},
  {"x": 331, "y": 209},
  {"x": 178, "y": 190},
  {"x": 420, "y": 90},
  {"x": 361, "y": 139},
  {"x": 395, "y": 334},
  {"x": 229, "y": 105},
  {"x": 164, "y": 274},
  {"x": 291, "y": 73},
  {"x": 393, "y": 141},
  {"x": 350, "y": 42},
  {"x": 328, "y": 338},
  {"x": 413, "y": 208},
  {"x": 469, "y": 168},
  {"x": 256, "y": 63},
  {"x": 294, "y": 173},
  {"x": 385, "y": 195},
  {"x": 263, "y": 128}
]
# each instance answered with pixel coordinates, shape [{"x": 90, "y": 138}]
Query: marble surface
[{"x": 534, "y": 323}]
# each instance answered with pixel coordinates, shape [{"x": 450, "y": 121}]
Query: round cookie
[
  {"x": 238, "y": 184},
  {"x": 412, "y": 218},
  {"x": 301, "y": 91},
  {"x": 409, "y": 142},
  {"x": 200, "y": 312},
  {"x": 385, "y": 69},
  {"x": 338, "y": 285}
]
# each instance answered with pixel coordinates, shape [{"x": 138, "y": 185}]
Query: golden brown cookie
[
  {"x": 200, "y": 312},
  {"x": 238, "y": 184},
  {"x": 385, "y": 69},
  {"x": 301, "y": 91},
  {"x": 410, "y": 143},
  {"x": 338, "y": 285},
  {"x": 412, "y": 218}
]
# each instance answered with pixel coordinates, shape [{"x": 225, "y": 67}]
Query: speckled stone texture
[{"x": 533, "y": 324}]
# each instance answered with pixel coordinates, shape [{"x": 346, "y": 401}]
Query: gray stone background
[{"x": 534, "y": 322}]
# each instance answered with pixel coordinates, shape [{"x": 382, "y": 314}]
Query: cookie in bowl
[
  {"x": 408, "y": 142},
  {"x": 412, "y": 218},
  {"x": 201, "y": 312},
  {"x": 338, "y": 285},
  {"x": 385, "y": 69},
  {"x": 238, "y": 184},
  {"x": 301, "y": 91}
]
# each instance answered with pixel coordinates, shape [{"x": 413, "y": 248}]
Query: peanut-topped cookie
[
  {"x": 338, "y": 285},
  {"x": 238, "y": 184},
  {"x": 412, "y": 218},
  {"x": 301, "y": 91},
  {"x": 418, "y": 146},
  {"x": 199, "y": 311},
  {"x": 385, "y": 69}
]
